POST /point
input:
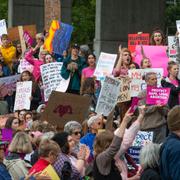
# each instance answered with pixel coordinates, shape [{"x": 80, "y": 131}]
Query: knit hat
[
  {"x": 173, "y": 119},
  {"x": 60, "y": 138}
]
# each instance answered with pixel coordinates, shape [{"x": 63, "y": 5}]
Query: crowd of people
[{"x": 89, "y": 150}]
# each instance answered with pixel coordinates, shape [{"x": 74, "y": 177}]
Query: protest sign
[
  {"x": 124, "y": 94},
  {"x": 105, "y": 65},
  {"x": 23, "y": 94},
  {"x": 62, "y": 87},
  {"x": 172, "y": 49},
  {"x": 52, "y": 11},
  {"x": 25, "y": 66},
  {"x": 3, "y": 29},
  {"x": 58, "y": 38},
  {"x": 64, "y": 107},
  {"x": 51, "y": 77},
  {"x": 156, "y": 54},
  {"x": 28, "y": 39},
  {"x": 137, "y": 82},
  {"x": 178, "y": 28},
  {"x": 50, "y": 172},
  {"x": 157, "y": 95},
  {"x": 141, "y": 139},
  {"x": 134, "y": 104},
  {"x": 108, "y": 96},
  {"x": 137, "y": 39},
  {"x": 8, "y": 84}
]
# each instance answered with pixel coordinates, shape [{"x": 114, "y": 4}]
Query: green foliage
[
  {"x": 172, "y": 14},
  {"x": 4, "y": 9},
  {"x": 83, "y": 21}
]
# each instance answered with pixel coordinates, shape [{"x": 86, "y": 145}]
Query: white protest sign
[
  {"x": 25, "y": 66},
  {"x": 62, "y": 87},
  {"x": 178, "y": 28},
  {"x": 172, "y": 49},
  {"x": 141, "y": 139},
  {"x": 3, "y": 29},
  {"x": 23, "y": 94},
  {"x": 108, "y": 96},
  {"x": 137, "y": 82},
  {"x": 105, "y": 65},
  {"x": 51, "y": 77}
]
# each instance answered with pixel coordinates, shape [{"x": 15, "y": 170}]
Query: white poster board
[
  {"x": 137, "y": 82},
  {"x": 105, "y": 65},
  {"x": 23, "y": 95},
  {"x": 108, "y": 96},
  {"x": 172, "y": 49},
  {"x": 51, "y": 77},
  {"x": 3, "y": 29}
]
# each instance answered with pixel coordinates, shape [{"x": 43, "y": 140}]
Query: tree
[{"x": 4, "y": 9}]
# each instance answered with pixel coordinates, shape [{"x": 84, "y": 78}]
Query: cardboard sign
[
  {"x": 137, "y": 39},
  {"x": 141, "y": 139},
  {"x": 137, "y": 82},
  {"x": 25, "y": 66},
  {"x": 3, "y": 29},
  {"x": 156, "y": 54},
  {"x": 51, "y": 77},
  {"x": 49, "y": 171},
  {"x": 105, "y": 65},
  {"x": 13, "y": 33},
  {"x": 108, "y": 96},
  {"x": 52, "y": 11},
  {"x": 64, "y": 107},
  {"x": 157, "y": 96},
  {"x": 125, "y": 94},
  {"x": 23, "y": 94},
  {"x": 8, "y": 84},
  {"x": 172, "y": 48}
]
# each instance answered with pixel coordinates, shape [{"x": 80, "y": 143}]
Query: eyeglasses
[{"x": 76, "y": 133}]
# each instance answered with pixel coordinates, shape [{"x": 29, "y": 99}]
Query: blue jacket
[
  {"x": 4, "y": 174},
  {"x": 170, "y": 158},
  {"x": 88, "y": 140}
]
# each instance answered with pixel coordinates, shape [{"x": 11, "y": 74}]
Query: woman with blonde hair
[{"x": 18, "y": 148}]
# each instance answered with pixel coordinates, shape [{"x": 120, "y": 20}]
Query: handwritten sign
[
  {"x": 125, "y": 94},
  {"x": 105, "y": 65},
  {"x": 172, "y": 49},
  {"x": 157, "y": 95},
  {"x": 137, "y": 82},
  {"x": 51, "y": 77},
  {"x": 23, "y": 94},
  {"x": 63, "y": 107},
  {"x": 8, "y": 84},
  {"x": 137, "y": 39},
  {"x": 141, "y": 139},
  {"x": 25, "y": 66},
  {"x": 108, "y": 96}
]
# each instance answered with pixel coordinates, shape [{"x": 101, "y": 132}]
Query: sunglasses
[{"x": 76, "y": 133}]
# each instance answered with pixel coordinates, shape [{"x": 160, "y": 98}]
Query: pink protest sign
[
  {"x": 156, "y": 54},
  {"x": 134, "y": 104},
  {"x": 157, "y": 95},
  {"x": 27, "y": 38}
]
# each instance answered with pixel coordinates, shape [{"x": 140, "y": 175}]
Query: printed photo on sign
[{"x": 172, "y": 48}]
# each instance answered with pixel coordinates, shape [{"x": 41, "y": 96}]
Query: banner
[
  {"x": 23, "y": 95},
  {"x": 64, "y": 107},
  {"x": 137, "y": 82},
  {"x": 25, "y": 66},
  {"x": 141, "y": 139},
  {"x": 157, "y": 96},
  {"x": 172, "y": 49},
  {"x": 51, "y": 77},
  {"x": 156, "y": 54},
  {"x": 8, "y": 84},
  {"x": 58, "y": 38},
  {"x": 105, "y": 65},
  {"x": 137, "y": 39},
  {"x": 108, "y": 96},
  {"x": 124, "y": 94}
]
